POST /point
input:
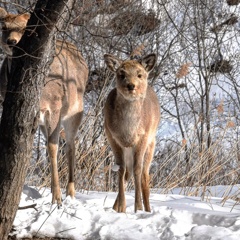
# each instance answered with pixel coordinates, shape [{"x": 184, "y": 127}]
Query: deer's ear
[
  {"x": 149, "y": 61},
  {"x": 26, "y": 15},
  {"x": 113, "y": 63},
  {"x": 3, "y": 13}
]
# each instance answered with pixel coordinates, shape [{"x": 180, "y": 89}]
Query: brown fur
[
  {"x": 61, "y": 100},
  {"x": 132, "y": 114}
]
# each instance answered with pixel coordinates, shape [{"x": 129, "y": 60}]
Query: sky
[{"x": 90, "y": 216}]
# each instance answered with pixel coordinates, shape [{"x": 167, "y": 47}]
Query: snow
[{"x": 90, "y": 216}]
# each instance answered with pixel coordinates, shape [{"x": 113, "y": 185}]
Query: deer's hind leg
[
  {"x": 51, "y": 131},
  {"x": 71, "y": 126}
]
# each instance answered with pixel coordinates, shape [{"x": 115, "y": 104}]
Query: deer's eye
[
  {"x": 121, "y": 75},
  {"x": 139, "y": 75},
  {"x": 4, "y": 28}
]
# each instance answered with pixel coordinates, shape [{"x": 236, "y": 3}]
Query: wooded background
[{"x": 196, "y": 79}]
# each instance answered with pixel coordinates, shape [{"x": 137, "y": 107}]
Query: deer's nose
[
  {"x": 130, "y": 86},
  {"x": 11, "y": 41}
]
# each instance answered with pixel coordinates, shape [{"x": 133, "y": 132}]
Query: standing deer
[
  {"x": 132, "y": 115},
  {"x": 61, "y": 100}
]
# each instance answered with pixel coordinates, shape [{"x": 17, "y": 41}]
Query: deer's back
[
  {"x": 65, "y": 84},
  {"x": 66, "y": 81}
]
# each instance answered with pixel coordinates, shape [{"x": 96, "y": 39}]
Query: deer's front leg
[
  {"x": 139, "y": 152},
  {"x": 145, "y": 175},
  {"x": 137, "y": 180}
]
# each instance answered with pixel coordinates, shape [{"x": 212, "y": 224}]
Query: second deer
[
  {"x": 132, "y": 115},
  {"x": 61, "y": 100}
]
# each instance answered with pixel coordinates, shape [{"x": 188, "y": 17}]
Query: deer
[
  {"x": 131, "y": 118},
  {"x": 61, "y": 100}
]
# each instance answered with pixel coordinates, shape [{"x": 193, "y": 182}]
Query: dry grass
[
  {"x": 185, "y": 164},
  {"x": 216, "y": 165},
  {"x": 183, "y": 70},
  {"x": 208, "y": 167}
]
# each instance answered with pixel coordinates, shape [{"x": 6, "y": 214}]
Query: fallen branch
[{"x": 29, "y": 206}]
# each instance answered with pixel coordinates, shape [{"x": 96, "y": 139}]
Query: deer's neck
[
  {"x": 129, "y": 110},
  {"x": 127, "y": 120}
]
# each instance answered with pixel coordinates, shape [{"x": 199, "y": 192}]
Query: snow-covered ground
[{"x": 90, "y": 216}]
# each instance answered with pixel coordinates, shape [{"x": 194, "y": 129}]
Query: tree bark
[{"x": 31, "y": 59}]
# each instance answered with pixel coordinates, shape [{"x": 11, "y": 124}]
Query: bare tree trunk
[{"x": 19, "y": 120}]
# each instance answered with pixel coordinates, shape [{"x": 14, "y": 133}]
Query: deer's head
[
  {"x": 13, "y": 27},
  {"x": 131, "y": 75}
]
